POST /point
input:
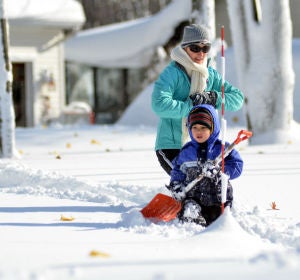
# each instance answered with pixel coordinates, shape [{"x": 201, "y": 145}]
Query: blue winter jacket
[
  {"x": 189, "y": 162},
  {"x": 171, "y": 102}
]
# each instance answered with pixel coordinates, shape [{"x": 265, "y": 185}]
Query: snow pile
[
  {"x": 54, "y": 184},
  {"x": 141, "y": 104},
  {"x": 67, "y": 13},
  {"x": 127, "y": 44}
]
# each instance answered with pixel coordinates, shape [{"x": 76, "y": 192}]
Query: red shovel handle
[{"x": 243, "y": 135}]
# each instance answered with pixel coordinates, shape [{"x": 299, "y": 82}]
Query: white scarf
[{"x": 198, "y": 74}]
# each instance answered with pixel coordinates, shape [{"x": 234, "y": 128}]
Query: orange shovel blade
[{"x": 162, "y": 208}]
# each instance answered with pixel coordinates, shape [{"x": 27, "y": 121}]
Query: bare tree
[
  {"x": 7, "y": 116},
  {"x": 262, "y": 40}
]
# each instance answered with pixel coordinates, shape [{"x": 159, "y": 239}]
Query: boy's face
[{"x": 200, "y": 133}]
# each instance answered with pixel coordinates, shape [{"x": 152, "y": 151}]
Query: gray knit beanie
[{"x": 195, "y": 34}]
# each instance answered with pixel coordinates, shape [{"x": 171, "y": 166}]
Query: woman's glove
[
  {"x": 177, "y": 190},
  {"x": 206, "y": 97}
]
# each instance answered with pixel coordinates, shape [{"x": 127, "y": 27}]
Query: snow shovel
[
  {"x": 165, "y": 208},
  {"x": 162, "y": 208}
]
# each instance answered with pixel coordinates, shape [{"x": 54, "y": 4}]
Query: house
[
  {"x": 37, "y": 30},
  {"x": 107, "y": 66}
]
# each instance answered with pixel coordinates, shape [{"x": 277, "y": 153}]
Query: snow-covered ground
[{"x": 102, "y": 175}]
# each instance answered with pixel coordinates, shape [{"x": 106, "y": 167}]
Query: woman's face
[{"x": 197, "y": 52}]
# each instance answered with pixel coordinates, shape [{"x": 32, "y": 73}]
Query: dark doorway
[{"x": 19, "y": 96}]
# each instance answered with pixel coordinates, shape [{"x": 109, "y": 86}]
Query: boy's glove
[
  {"x": 177, "y": 190},
  {"x": 212, "y": 171},
  {"x": 206, "y": 97}
]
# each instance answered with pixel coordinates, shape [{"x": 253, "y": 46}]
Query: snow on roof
[
  {"x": 127, "y": 44},
  {"x": 62, "y": 13}
]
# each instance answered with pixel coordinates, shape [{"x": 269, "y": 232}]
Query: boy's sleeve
[
  {"x": 176, "y": 174},
  {"x": 233, "y": 164}
]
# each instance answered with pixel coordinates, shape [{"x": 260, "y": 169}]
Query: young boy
[{"x": 202, "y": 204}]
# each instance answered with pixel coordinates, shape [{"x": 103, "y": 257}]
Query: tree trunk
[
  {"x": 205, "y": 15},
  {"x": 7, "y": 116},
  {"x": 262, "y": 40}
]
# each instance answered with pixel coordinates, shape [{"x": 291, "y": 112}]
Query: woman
[{"x": 186, "y": 82}]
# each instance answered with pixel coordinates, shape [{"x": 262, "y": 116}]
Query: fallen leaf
[
  {"x": 95, "y": 253},
  {"x": 95, "y": 142},
  {"x": 68, "y": 145},
  {"x": 274, "y": 206},
  {"x": 66, "y": 219}
]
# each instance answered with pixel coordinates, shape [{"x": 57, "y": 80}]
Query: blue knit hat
[{"x": 195, "y": 34}]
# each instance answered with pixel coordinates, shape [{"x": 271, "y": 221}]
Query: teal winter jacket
[{"x": 171, "y": 102}]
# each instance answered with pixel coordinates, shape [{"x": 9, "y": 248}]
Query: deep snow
[{"x": 103, "y": 176}]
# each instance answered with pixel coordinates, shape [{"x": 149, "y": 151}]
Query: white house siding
[
  {"x": 30, "y": 45},
  {"x": 49, "y": 64}
]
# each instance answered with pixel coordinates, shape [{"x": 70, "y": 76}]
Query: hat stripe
[{"x": 203, "y": 118}]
